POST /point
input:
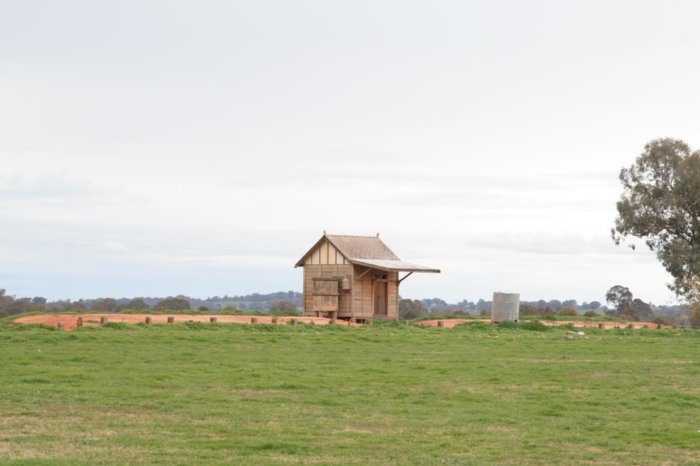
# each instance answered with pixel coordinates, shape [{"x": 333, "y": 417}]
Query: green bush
[
  {"x": 508, "y": 324},
  {"x": 118, "y": 325},
  {"x": 532, "y": 325},
  {"x": 476, "y": 326}
]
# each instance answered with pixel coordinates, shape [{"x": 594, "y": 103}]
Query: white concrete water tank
[{"x": 505, "y": 306}]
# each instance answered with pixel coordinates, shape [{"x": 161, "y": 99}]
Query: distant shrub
[
  {"x": 567, "y": 311},
  {"x": 590, "y": 314}
]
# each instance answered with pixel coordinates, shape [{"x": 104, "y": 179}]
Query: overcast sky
[{"x": 201, "y": 147}]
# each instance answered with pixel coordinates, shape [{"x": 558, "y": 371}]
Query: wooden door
[{"x": 380, "y": 298}]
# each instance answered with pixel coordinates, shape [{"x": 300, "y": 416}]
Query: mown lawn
[{"x": 386, "y": 394}]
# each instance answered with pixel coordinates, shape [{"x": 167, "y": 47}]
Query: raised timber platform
[{"x": 70, "y": 322}]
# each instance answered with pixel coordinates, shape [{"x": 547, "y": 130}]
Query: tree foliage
[
  {"x": 534, "y": 309},
  {"x": 638, "y": 310},
  {"x": 411, "y": 309},
  {"x": 10, "y": 306},
  {"x": 283, "y": 305},
  {"x": 627, "y": 306},
  {"x": 173, "y": 304},
  {"x": 106, "y": 305},
  {"x": 694, "y": 316},
  {"x": 660, "y": 204},
  {"x": 620, "y": 297},
  {"x": 137, "y": 304}
]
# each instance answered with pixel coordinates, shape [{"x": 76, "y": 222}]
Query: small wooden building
[{"x": 354, "y": 278}]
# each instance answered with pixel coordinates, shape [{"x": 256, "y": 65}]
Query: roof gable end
[{"x": 353, "y": 247}]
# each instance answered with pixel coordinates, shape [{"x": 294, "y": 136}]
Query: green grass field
[{"x": 385, "y": 394}]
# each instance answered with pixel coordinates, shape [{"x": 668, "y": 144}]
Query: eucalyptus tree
[{"x": 660, "y": 204}]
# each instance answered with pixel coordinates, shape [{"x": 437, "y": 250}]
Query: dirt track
[
  {"x": 451, "y": 323},
  {"x": 70, "y": 322}
]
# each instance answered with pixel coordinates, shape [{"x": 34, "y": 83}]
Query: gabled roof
[
  {"x": 369, "y": 251},
  {"x": 360, "y": 247}
]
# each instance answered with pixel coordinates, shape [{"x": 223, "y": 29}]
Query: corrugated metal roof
[
  {"x": 393, "y": 265},
  {"x": 362, "y": 247}
]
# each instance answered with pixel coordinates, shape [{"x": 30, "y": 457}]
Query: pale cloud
[
  {"x": 549, "y": 244},
  {"x": 174, "y": 147},
  {"x": 45, "y": 186}
]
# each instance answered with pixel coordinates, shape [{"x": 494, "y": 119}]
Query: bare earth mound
[
  {"x": 451, "y": 323},
  {"x": 71, "y": 322}
]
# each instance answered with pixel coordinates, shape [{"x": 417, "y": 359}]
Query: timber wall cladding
[
  {"x": 393, "y": 294},
  {"x": 344, "y": 301},
  {"x": 362, "y": 293},
  {"x": 325, "y": 294},
  {"x": 325, "y": 254}
]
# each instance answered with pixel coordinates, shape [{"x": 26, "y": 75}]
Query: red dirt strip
[
  {"x": 451, "y": 323},
  {"x": 70, "y": 322}
]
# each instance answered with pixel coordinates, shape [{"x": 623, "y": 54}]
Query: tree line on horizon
[
  {"x": 281, "y": 301},
  {"x": 623, "y": 305}
]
